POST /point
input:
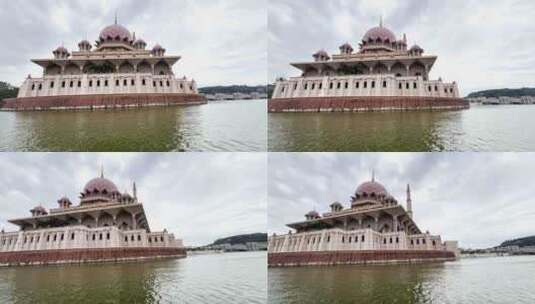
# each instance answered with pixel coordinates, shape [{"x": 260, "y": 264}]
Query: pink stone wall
[
  {"x": 372, "y": 103},
  {"x": 72, "y": 102},
  {"x": 356, "y": 257},
  {"x": 38, "y": 257}
]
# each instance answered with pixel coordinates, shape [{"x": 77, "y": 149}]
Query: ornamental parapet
[
  {"x": 363, "y": 85},
  {"x": 80, "y": 237}
]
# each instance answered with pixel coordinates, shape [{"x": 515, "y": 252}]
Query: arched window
[{"x": 384, "y": 84}]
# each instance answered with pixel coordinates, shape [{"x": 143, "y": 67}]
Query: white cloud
[
  {"x": 479, "y": 199},
  {"x": 221, "y": 42},
  {"x": 198, "y": 196},
  {"x": 481, "y": 46}
]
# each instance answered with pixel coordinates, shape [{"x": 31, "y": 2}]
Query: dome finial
[
  {"x": 373, "y": 175},
  {"x": 381, "y": 21},
  {"x": 115, "y": 16},
  {"x": 101, "y": 171}
]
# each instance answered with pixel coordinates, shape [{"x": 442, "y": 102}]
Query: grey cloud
[
  {"x": 198, "y": 196},
  {"x": 218, "y": 40},
  {"x": 479, "y": 199},
  {"x": 479, "y": 45}
]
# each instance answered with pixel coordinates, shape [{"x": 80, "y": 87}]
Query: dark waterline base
[
  {"x": 356, "y": 257},
  {"x": 91, "y": 255}
]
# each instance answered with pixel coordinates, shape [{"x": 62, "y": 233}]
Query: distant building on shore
[
  {"x": 502, "y": 100},
  {"x": 385, "y": 74},
  {"x": 374, "y": 229},
  {"x": 116, "y": 71},
  {"x": 106, "y": 225}
]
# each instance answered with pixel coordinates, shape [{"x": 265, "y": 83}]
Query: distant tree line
[
  {"x": 521, "y": 242},
  {"x": 7, "y": 90},
  {"x": 232, "y": 89},
  {"x": 242, "y": 239},
  {"x": 504, "y": 92}
]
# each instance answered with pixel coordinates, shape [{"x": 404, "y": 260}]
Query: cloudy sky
[
  {"x": 198, "y": 196},
  {"x": 221, "y": 41},
  {"x": 479, "y": 199},
  {"x": 480, "y": 44}
]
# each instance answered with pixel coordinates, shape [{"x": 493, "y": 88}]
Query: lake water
[
  {"x": 215, "y": 278},
  {"x": 481, "y": 128},
  {"x": 500, "y": 280},
  {"x": 217, "y": 126}
]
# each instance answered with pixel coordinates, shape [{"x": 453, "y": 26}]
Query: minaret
[
  {"x": 381, "y": 21},
  {"x": 409, "y": 201},
  {"x": 101, "y": 171},
  {"x": 134, "y": 191}
]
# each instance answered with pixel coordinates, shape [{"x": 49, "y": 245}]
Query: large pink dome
[
  {"x": 100, "y": 184},
  {"x": 115, "y": 30},
  {"x": 371, "y": 187},
  {"x": 381, "y": 33}
]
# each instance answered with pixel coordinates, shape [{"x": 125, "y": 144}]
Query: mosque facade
[
  {"x": 106, "y": 225},
  {"x": 383, "y": 74},
  {"x": 375, "y": 228}
]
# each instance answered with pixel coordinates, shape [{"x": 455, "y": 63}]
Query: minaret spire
[
  {"x": 381, "y": 21},
  {"x": 409, "y": 201},
  {"x": 101, "y": 171},
  {"x": 373, "y": 175},
  {"x": 115, "y": 16},
  {"x": 134, "y": 191}
]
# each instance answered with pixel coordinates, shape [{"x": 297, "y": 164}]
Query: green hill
[
  {"x": 7, "y": 90},
  {"x": 521, "y": 242},
  {"x": 242, "y": 239},
  {"x": 244, "y": 89},
  {"x": 503, "y": 92}
]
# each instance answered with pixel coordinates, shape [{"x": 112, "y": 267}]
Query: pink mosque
[
  {"x": 117, "y": 71},
  {"x": 106, "y": 226},
  {"x": 375, "y": 228},
  {"x": 383, "y": 75}
]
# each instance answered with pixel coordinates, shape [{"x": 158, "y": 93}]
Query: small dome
[
  {"x": 416, "y": 48},
  {"x": 100, "y": 184},
  {"x": 140, "y": 41},
  {"x": 346, "y": 46},
  {"x": 313, "y": 214},
  {"x": 61, "y": 49},
  {"x": 115, "y": 31},
  {"x": 157, "y": 47},
  {"x": 371, "y": 187},
  {"x": 381, "y": 33},
  {"x": 84, "y": 42},
  {"x": 321, "y": 53}
]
